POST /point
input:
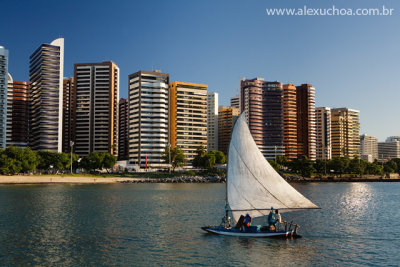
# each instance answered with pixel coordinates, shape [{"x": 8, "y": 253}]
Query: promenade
[{"x": 22, "y": 179}]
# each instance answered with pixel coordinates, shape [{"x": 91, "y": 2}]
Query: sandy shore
[{"x": 20, "y": 179}]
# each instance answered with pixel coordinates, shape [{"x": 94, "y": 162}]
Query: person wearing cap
[
  {"x": 247, "y": 221},
  {"x": 271, "y": 218}
]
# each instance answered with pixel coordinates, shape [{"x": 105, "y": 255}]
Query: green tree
[
  {"x": 178, "y": 158},
  {"x": 390, "y": 167},
  {"x": 9, "y": 166},
  {"x": 109, "y": 161},
  {"x": 339, "y": 165},
  {"x": 303, "y": 165},
  {"x": 93, "y": 161},
  {"x": 274, "y": 164},
  {"x": 320, "y": 166},
  {"x": 220, "y": 157},
  {"x": 198, "y": 161}
]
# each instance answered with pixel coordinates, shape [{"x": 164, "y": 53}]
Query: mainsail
[{"x": 253, "y": 186}]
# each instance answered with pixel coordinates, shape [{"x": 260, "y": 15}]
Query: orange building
[
  {"x": 290, "y": 121},
  {"x": 226, "y": 119},
  {"x": 188, "y": 117}
]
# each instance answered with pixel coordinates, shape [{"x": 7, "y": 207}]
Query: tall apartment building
[
  {"x": 226, "y": 119},
  {"x": 97, "y": 95},
  {"x": 212, "y": 121},
  {"x": 188, "y": 117},
  {"x": 290, "y": 121},
  {"x": 123, "y": 139},
  {"x": 46, "y": 73},
  {"x": 345, "y": 130},
  {"x": 306, "y": 132},
  {"x": 3, "y": 95},
  {"x": 17, "y": 113},
  {"x": 262, "y": 102},
  {"x": 148, "y": 118},
  {"x": 235, "y": 102},
  {"x": 369, "y": 146},
  {"x": 323, "y": 133},
  {"x": 69, "y": 109}
]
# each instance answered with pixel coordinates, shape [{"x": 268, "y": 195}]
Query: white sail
[{"x": 252, "y": 183}]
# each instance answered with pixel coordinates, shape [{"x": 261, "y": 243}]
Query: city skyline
[{"x": 340, "y": 57}]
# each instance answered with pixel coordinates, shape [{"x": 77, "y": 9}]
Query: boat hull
[{"x": 218, "y": 230}]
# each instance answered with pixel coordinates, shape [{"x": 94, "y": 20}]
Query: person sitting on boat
[
  {"x": 278, "y": 218},
  {"x": 247, "y": 221},
  {"x": 271, "y": 218}
]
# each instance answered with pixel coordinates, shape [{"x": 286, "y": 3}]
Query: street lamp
[
  {"x": 71, "y": 144},
  {"x": 275, "y": 154},
  {"x": 169, "y": 157}
]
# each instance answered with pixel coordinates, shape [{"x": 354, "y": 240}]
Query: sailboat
[{"x": 254, "y": 187}]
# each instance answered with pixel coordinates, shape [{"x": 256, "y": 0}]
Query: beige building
[
  {"x": 188, "y": 117},
  {"x": 345, "y": 132},
  {"x": 369, "y": 147},
  {"x": 226, "y": 119}
]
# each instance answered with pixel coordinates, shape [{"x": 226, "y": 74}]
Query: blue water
[{"x": 159, "y": 224}]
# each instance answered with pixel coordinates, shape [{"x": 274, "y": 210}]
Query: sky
[{"x": 352, "y": 61}]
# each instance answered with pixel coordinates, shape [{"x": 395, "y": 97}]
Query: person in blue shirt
[
  {"x": 247, "y": 221},
  {"x": 271, "y": 218}
]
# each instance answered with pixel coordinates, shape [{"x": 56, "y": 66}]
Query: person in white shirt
[{"x": 278, "y": 218}]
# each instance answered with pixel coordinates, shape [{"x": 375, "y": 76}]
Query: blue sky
[{"x": 352, "y": 61}]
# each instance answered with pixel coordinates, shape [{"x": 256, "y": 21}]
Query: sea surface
[{"x": 159, "y": 225}]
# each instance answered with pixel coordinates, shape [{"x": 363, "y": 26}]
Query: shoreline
[{"x": 22, "y": 179}]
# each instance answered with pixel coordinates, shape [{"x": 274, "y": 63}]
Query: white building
[
  {"x": 323, "y": 133},
  {"x": 148, "y": 118},
  {"x": 369, "y": 146},
  {"x": 212, "y": 121},
  {"x": 389, "y": 149}
]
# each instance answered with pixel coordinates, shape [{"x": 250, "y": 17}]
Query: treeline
[
  {"x": 15, "y": 160},
  {"x": 202, "y": 160},
  {"x": 337, "y": 166}
]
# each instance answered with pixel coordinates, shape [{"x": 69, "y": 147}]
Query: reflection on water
[{"x": 159, "y": 224}]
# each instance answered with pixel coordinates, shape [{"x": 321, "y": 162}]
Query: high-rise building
[
  {"x": 148, "y": 118},
  {"x": 345, "y": 130},
  {"x": 290, "y": 121},
  {"x": 263, "y": 103},
  {"x": 235, "y": 102},
  {"x": 3, "y": 95},
  {"x": 212, "y": 121},
  {"x": 323, "y": 131},
  {"x": 226, "y": 119},
  {"x": 369, "y": 146},
  {"x": 69, "y": 109},
  {"x": 97, "y": 95},
  {"x": 46, "y": 73},
  {"x": 390, "y": 149},
  {"x": 306, "y": 132},
  {"x": 123, "y": 139},
  {"x": 17, "y": 113},
  {"x": 188, "y": 117}
]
